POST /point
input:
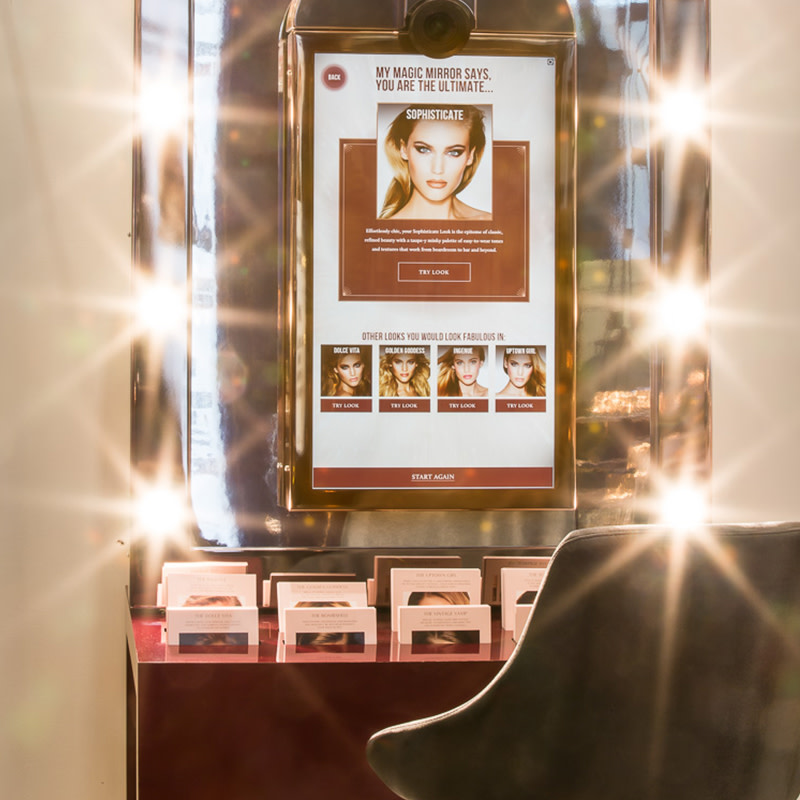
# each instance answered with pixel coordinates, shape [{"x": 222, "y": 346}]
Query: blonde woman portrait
[
  {"x": 346, "y": 371},
  {"x": 434, "y": 152},
  {"x": 525, "y": 369},
  {"x": 404, "y": 374},
  {"x": 459, "y": 368}
]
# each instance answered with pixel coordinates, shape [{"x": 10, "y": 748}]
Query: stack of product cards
[
  {"x": 519, "y": 587},
  {"x": 216, "y": 607},
  {"x": 195, "y": 568},
  {"x": 492, "y": 566},
  {"x": 320, "y": 613},
  {"x": 379, "y": 587},
  {"x": 439, "y": 606}
]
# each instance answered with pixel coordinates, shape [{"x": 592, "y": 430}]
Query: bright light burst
[
  {"x": 161, "y": 512},
  {"x": 683, "y": 506},
  {"x": 680, "y": 312},
  {"x": 164, "y": 107},
  {"x": 682, "y": 113},
  {"x": 160, "y": 308}
]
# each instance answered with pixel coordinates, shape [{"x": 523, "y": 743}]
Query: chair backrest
[{"x": 657, "y": 665}]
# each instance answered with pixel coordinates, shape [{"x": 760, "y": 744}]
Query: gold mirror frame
[{"x": 205, "y": 366}]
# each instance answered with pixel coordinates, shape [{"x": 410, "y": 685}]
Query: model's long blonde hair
[
  {"x": 387, "y": 383},
  {"x": 535, "y": 385},
  {"x": 447, "y": 384}
]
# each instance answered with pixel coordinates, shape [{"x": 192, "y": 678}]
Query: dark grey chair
[{"x": 656, "y": 665}]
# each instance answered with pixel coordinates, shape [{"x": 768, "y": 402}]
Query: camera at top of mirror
[{"x": 439, "y": 28}]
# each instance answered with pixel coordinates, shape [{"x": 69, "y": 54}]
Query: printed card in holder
[
  {"x": 383, "y": 566},
  {"x": 491, "y": 572},
  {"x": 433, "y": 587},
  {"x": 212, "y": 625},
  {"x": 270, "y": 585},
  {"x": 212, "y": 608},
  {"x": 211, "y": 589},
  {"x": 337, "y": 627},
  {"x": 445, "y": 624},
  {"x": 518, "y": 587},
  {"x": 193, "y": 567},
  {"x": 313, "y": 594}
]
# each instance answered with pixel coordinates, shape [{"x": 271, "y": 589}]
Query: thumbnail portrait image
[
  {"x": 443, "y": 637},
  {"x": 459, "y": 372},
  {"x": 346, "y": 370},
  {"x": 522, "y": 370},
  {"x": 404, "y": 372},
  {"x": 434, "y": 162}
]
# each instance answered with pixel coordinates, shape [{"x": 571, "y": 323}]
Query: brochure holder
[
  {"x": 433, "y": 587},
  {"x": 210, "y": 609},
  {"x": 320, "y": 596}
]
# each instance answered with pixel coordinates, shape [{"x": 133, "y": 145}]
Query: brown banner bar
[
  {"x": 521, "y": 404},
  {"x": 463, "y": 404},
  {"x": 427, "y": 478},
  {"x": 346, "y": 404},
  {"x": 405, "y": 404}
]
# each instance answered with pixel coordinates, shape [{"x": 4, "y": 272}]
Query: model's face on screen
[
  {"x": 467, "y": 368},
  {"x": 350, "y": 370},
  {"x": 519, "y": 369},
  {"x": 403, "y": 367},
  {"x": 437, "y": 152}
]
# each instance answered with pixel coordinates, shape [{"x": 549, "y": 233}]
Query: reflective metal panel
[{"x": 205, "y": 382}]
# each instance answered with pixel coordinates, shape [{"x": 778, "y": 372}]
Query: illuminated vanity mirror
[{"x": 207, "y": 359}]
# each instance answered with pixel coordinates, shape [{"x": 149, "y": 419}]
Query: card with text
[
  {"x": 519, "y": 586},
  {"x": 270, "y": 585},
  {"x": 211, "y": 589},
  {"x": 319, "y": 594},
  {"x": 434, "y": 587},
  {"x": 383, "y": 566},
  {"x": 445, "y": 624},
  {"x": 491, "y": 572},
  {"x": 194, "y": 567},
  {"x": 219, "y": 625},
  {"x": 317, "y": 627}
]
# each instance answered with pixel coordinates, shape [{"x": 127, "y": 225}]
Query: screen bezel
[{"x": 297, "y": 301}]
